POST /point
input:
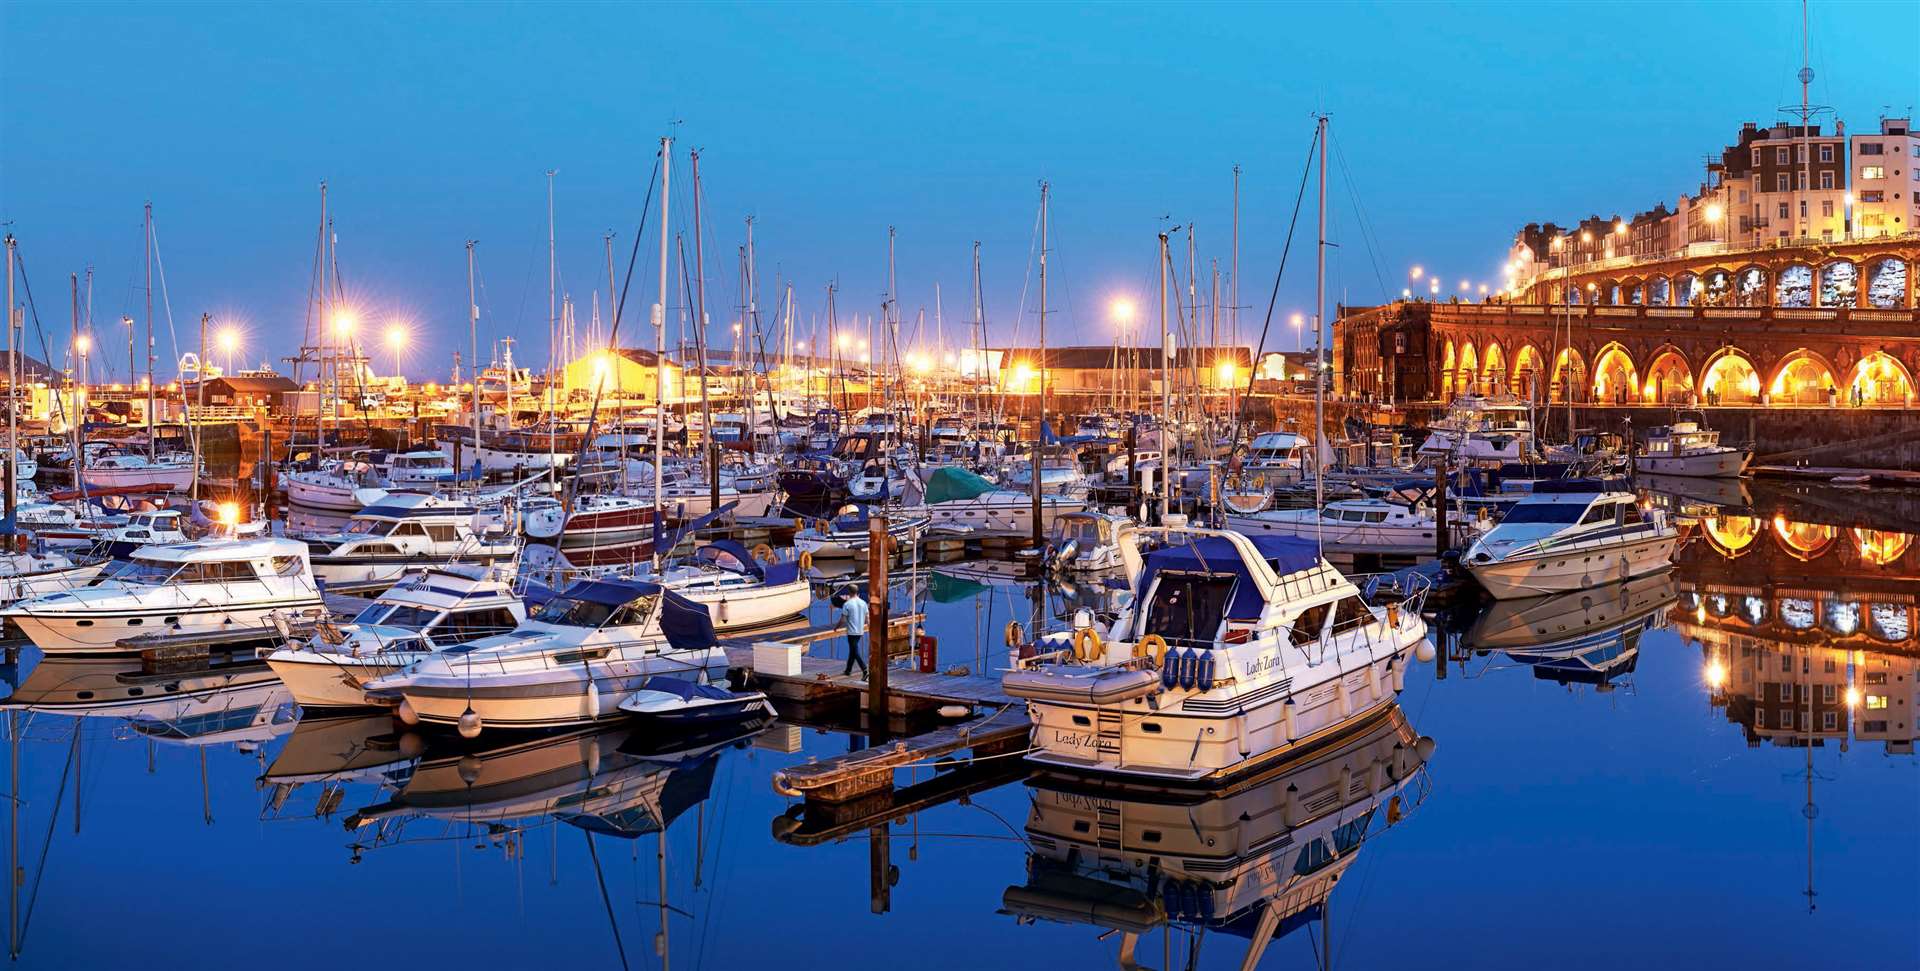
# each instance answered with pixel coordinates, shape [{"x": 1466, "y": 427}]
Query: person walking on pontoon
[{"x": 853, "y": 613}]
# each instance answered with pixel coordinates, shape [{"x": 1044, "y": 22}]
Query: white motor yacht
[
  {"x": 429, "y": 611},
  {"x": 1481, "y": 430},
  {"x": 343, "y": 485},
  {"x": 1574, "y": 535},
  {"x": 958, "y": 499},
  {"x": 1089, "y": 542},
  {"x": 407, "y": 531},
  {"x": 847, "y": 534},
  {"x": 422, "y": 468},
  {"x": 572, "y": 662},
  {"x": 26, "y": 575},
  {"x": 1232, "y": 652},
  {"x": 207, "y": 587},
  {"x": 739, "y": 592},
  {"x": 1686, "y": 449},
  {"x": 1402, "y": 524}
]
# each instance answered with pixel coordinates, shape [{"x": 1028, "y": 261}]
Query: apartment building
[
  {"x": 1886, "y": 181},
  {"x": 1790, "y": 183}
]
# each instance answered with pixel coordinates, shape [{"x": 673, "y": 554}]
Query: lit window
[
  {"x": 1873, "y": 171},
  {"x": 1876, "y": 702}
]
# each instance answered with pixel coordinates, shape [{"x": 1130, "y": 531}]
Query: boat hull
[
  {"x": 156, "y": 478},
  {"x": 1346, "y": 537},
  {"x": 100, "y": 631},
  {"x": 745, "y": 609},
  {"x": 331, "y": 681},
  {"x": 1724, "y": 464},
  {"x": 1577, "y": 569},
  {"x": 551, "y": 698}
]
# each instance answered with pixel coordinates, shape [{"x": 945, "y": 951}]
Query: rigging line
[
  {"x": 608, "y": 901},
  {"x": 41, "y": 332},
  {"x": 1274, "y": 297},
  {"x": 613, "y": 330},
  {"x": 1367, "y": 235}
]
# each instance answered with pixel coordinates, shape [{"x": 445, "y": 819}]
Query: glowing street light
[
  {"x": 1586, "y": 237},
  {"x": 343, "y": 324},
  {"x": 229, "y": 341},
  {"x": 397, "y": 338},
  {"x": 1417, "y": 271},
  {"x": 1620, "y": 227},
  {"x": 1716, "y": 674},
  {"x": 1123, "y": 310},
  {"x": 1299, "y": 336},
  {"x": 83, "y": 344}
]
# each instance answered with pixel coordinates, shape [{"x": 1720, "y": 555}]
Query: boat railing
[
  {"x": 1609, "y": 536},
  {"x": 550, "y": 658}
]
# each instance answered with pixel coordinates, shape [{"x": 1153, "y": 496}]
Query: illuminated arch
[
  {"x": 1750, "y": 286},
  {"x": 1687, "y": 290},
  {"x": 1615, "y": 379},
  {"x": 1446, "y": 373},
  {"x": 1716, "y": 288},
  {"x": 1730, "y": 379},
  {"x": 1659, "y": 292},
  {"x": 1880, "y": 379},
  {"x": 1526, "y": 379},
  {"x": 1731, "y": 535},
  {"x": 1794, "y": 286},
  {"x": 1881, "y": 546},
  {"x": 1493, "y": 369},
  {"x": 1569, "y": 374},
  {"x": 1839, "y": 284},
  {"x": 1887, "y": 283},
  {"x": 1669, "y": 379},
  {"x": 1804, "y": 541},
  {"x": 1469, "y": 372},
  {"x": 1802, "y": 378}
]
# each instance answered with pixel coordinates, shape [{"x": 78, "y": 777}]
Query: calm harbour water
[{"x": 1660, "y": 817}]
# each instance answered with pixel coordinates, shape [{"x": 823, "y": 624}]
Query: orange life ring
[
  {"x": 1015, "y": 634},
  {"x": 1086, "y": 644},
  {"x": 1152, "y": 645}
]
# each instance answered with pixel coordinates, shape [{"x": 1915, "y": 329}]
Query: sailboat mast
[
  {"x": 659, "y": 346},
  {"x": 1166, "y": 381},
  {"x": 152, "y": 403},
  {"x": 553, "y": 320},
  {"x": 1039, "y": 435},
  {"x": 700, "y": 341},
  {"x": 473, "y": 341},
  {"x": 979, "y": 335},
  {"x": 13, "y": 426},
  {"x": 1319, "y": 351}
]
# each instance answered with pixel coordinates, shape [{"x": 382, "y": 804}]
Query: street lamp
[
  {"x": 397, "y": 337},
  {"x": 83, "y": 344},
  {"x": 1299, "y": 336},
  {"x": 1417, "y": 271},
  {"x": 229, "y": 343}
]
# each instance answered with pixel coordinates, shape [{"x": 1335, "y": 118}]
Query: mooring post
[
  {"x": 880, "y": 869},
  {"x": 1441, "y": 541},
  {"x": 877, "y": 646}
]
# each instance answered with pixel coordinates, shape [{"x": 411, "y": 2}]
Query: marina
[{"x": 722, "y": 502}]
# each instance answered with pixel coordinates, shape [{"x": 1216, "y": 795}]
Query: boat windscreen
[
  {"x": 139, "y": 571},
  {"x": 568, "y": 612},
  {"x": 369, "y": 527},
  {"x": 1565, "y": 513},
  {"x": 1187, "y": 607}
]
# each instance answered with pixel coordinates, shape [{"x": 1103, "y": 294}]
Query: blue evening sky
[{"x": 435, "y": 123}]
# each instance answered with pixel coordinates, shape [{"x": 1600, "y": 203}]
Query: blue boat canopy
[
  {"x": 687, "y": 625},
  {"x": 613, "y": 593},
  {"x": 1217, "y": 555}
]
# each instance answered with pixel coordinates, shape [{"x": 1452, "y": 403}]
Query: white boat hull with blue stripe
[{"x": 1554, "y": 542}]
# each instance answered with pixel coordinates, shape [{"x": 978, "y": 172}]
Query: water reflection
[
  {"x": 1583, "y": 637},
  {"x": 232, "y": 701},
  {"x": 1254, "y": 862}
]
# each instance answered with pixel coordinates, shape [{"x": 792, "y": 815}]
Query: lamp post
[
  {"x": 396, "y": 342},
  {"x": 229, "y": 343}
]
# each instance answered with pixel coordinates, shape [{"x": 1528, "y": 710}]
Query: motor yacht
[
  {"x": 1481, "y": 429},
  {"x": 1570, "y": 535},
  {"x": 1686, "y": 449},
  {"x": 212, "y": 586},
  {"x": 572, "y": 662},
  {"x": 404, "y": 532},
  {"x": 1232, "y": 652},
  {"x": 847, "y": 534},
  {"x": 1401, "y": 524},
  {"x": 1088, "y": 542},
  {"x": 738, "y": 590},
  {"x": 421, "y": 469},
  {"x": 27, "y": 575},
  {"x": 958, "y": 499},
  {"x": 429, "y": 611},
  {"x": 342, "y": 485}
]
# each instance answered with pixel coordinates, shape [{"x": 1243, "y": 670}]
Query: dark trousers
[{"x": 853, "y": 655}]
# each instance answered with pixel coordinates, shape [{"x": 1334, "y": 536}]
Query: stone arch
[
  {"x": 1687, "y": 290},
  {"x": 1526, "y": 379},
  {"x": 1659, "y": 292},
  {"x": 1750, "y": 286},
  {"x": 1879, "y": 379},
  {"x": 1446, "y": 372},
  {"x": 1716, "y": 287},
  {"x": 1793, "y": 286},
  {"x": 1569, "y": 376},
  {"x": 1803, "y": 541},
  {"x": 1669, "y": 379},
  {"x": 1730, "y": 378},
  {"x": 1881, "y": 547},
  {"x": 1887, "y": 283},
  {"x": 1469, "y": 374},
  {"x": 1493, "y": 369},
  {"x": 1802, "y": 378},
  {"x": 1615, "y": 378},
  {"x": 1731, "y": 535},
  {"x": 1838, "y": 284},
  {"x": 1631, "y": 293}
]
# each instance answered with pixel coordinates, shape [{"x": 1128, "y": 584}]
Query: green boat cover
[{"x": 948, "y": 483}]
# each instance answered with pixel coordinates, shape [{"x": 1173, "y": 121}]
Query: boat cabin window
[
  {"x": 443, "y": 532},
  {"x": 1351, "y": 612},
  {"x": 286, "y": 566},
  {"x": 408, "y": 529},
  {"x": 214, "y": 572},
  {"x": 138, "y": 571},
  {"x": 468, "y": 625},
  {"x": 634, "y": 612},
  {"x": 1599, "y": 513},
  {"x": 368, "y": 527},
  {"x": 567, "y": 612},
  {"x": 1562, "y": 513},
  {"x": 1188, "y": 607},
  {"x": 1311, "y": 621}
]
